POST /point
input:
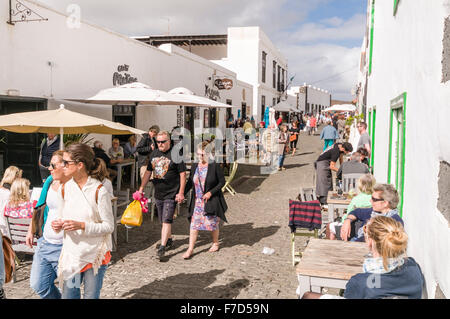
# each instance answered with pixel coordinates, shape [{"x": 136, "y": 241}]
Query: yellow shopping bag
[{"x": 132, "y": 216}]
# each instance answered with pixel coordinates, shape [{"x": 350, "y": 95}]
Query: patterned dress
[{"x": 199, "y": 220}]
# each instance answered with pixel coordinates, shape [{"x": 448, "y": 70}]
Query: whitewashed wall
[
  {"x": 84, "y": 60},
  {"x": 407, "y": 58}
]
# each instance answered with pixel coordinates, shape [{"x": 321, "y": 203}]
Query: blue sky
[{"x": 320, "y": 38}]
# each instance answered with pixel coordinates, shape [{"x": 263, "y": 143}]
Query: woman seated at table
[
  {"x": 388, "y": 272},
  {"x": 362, "y": 200},
  {"x": 19, "y": 204}
]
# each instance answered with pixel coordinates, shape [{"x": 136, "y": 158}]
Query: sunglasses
[
  {"x": 377, "y": 199},
  {"x": 65, "y": 163},
  {"x": 161, "y": 142},
  {"x": 53, "y": 166}
]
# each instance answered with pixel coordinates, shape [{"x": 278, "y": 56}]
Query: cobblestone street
[{"x": 257, "y": 218}]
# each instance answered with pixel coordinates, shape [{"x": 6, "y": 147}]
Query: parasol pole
[
  {"x": 61, "y": 138},
  {"x": 61, "y": 132}
]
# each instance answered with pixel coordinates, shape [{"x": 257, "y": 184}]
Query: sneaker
[
  {"x": 169, "y": 243},
  {"x": 161, "y": 252},
  {"x": 2, "y": 294}
]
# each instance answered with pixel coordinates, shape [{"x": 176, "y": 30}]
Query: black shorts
[{"x": 166, "y": 210}]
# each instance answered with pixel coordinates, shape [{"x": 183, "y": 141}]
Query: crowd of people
[
  {"x": 75, "y": 242},
  {"x": 372, "y": 217}
]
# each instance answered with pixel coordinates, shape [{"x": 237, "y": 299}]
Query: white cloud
[{"x": 312, "y": 49}]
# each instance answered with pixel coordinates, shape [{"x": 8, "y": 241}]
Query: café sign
[
  {"x": 223, "y": 84},
  {"x": 121, "y": 77}
]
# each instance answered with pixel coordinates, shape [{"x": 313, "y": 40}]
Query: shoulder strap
[
  {"x": 62, "y": 190},
  {"x": 96, "y": 193}
]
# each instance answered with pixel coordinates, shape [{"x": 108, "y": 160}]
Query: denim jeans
[
  {"x": 44, "y": 269},
  {"x": 281, "y": 160},
  {"x": 2, "y": 263},
  {"x": 92, "y": 284},
  {"x": 327, "y": 143}
]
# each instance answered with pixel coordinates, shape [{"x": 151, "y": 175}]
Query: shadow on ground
[{"x": 189, "y": 286}]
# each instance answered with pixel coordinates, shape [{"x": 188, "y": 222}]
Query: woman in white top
[
  {"x": 45, "y": 260},
  {"x": 10, "y": 175},
  {"x": 86, "y": 218}
]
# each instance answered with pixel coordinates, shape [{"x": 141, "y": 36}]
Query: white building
[
  {"x": 43, "y": 62},
  {"x": 311, "y": 99},
  {"x": 249, "y": 53},
  {"x": 404, "y": 89}
]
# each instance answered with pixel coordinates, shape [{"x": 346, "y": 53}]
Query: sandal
[
  {"x": 214, "y": 248},
  {"x": 186, "y": 255}
]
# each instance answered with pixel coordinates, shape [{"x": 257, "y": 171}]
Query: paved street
[{"x": 258, "y": 218}]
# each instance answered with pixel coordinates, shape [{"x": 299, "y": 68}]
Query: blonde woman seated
[
  {"x": 11, "y": 174},
  {"x": 389, "y": 272},
  {"x": 362, "y": 200}
]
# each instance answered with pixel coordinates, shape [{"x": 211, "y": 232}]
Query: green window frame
[
  {"x": 372, "y": 21},
  {"x": 396, "y": 160},
  {"x": 396, "y": 6}
]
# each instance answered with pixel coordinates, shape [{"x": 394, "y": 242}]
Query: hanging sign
[{"x": 223, "y": 84}]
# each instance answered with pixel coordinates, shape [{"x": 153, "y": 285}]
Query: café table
[
  {"x": 126, "y": 162},
  {"x": 329, "y": 263},
  {"x": 336, "y": 202}
]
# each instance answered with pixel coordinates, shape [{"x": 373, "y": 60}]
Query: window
[
  {"x": 263, "y": 106},
  {"x": 282, "y": 81},
  {"x": 397, "y": 129},
  {"x": 274, "y": 75},
  {"x": 278, "y": 78},
  {"x": 264, "y": 55},
  {"x": 274, "y": 101}
]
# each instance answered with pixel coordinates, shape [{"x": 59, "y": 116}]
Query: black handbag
[{"x": 38, "y": 221}]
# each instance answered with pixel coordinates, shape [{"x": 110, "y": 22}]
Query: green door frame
[
  {"x": 398, "y": 105},
  {"x": 372, "y": 21}
]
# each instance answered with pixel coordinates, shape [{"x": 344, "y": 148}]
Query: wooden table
[
  {"x": 126, "y": 162},
  {"x": 333, "y": 203},
  {"x": 329, "y": 263}
]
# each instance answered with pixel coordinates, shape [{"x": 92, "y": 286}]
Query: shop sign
[
  {"x": 121, "y": 77},
  {"x": 223, "y": 84}
]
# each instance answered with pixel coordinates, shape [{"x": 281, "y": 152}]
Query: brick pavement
[{"x": 257, "y": 218}]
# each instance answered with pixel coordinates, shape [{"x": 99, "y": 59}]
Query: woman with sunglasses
[
  {"x": 384, "y": 201},
  {"x": 207, "y": 204},
  {"x": 46, "y": 255},
  {"x": 87, "y": 220},
  {"x": 388, "y": 272}
]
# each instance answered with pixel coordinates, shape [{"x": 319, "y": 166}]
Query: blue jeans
[
  {"x": 92, "y": 284},
  {"x": 327, "y": 143},
  {"x": 44, "y": 269},
  {"x": 281, "y": 160},
  {"x": 2, "y": 263}
]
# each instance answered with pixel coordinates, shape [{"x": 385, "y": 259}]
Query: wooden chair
[
  {"x": 229, "y": 179},
  {"x": 18, "y": 229},
  {"x": 350, "y": 181},
  {"x": 306, "y": 194}
]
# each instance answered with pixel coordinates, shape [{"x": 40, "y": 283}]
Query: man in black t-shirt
[
  {"x": 169, "y": 179},
  {"x": 324, "y": 165}
]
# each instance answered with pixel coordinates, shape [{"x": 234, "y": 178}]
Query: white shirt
[
  {"x": 82, "y": 247},
  {"x": 53, "y": 202},
  {"x": 108, "y": 185}
]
